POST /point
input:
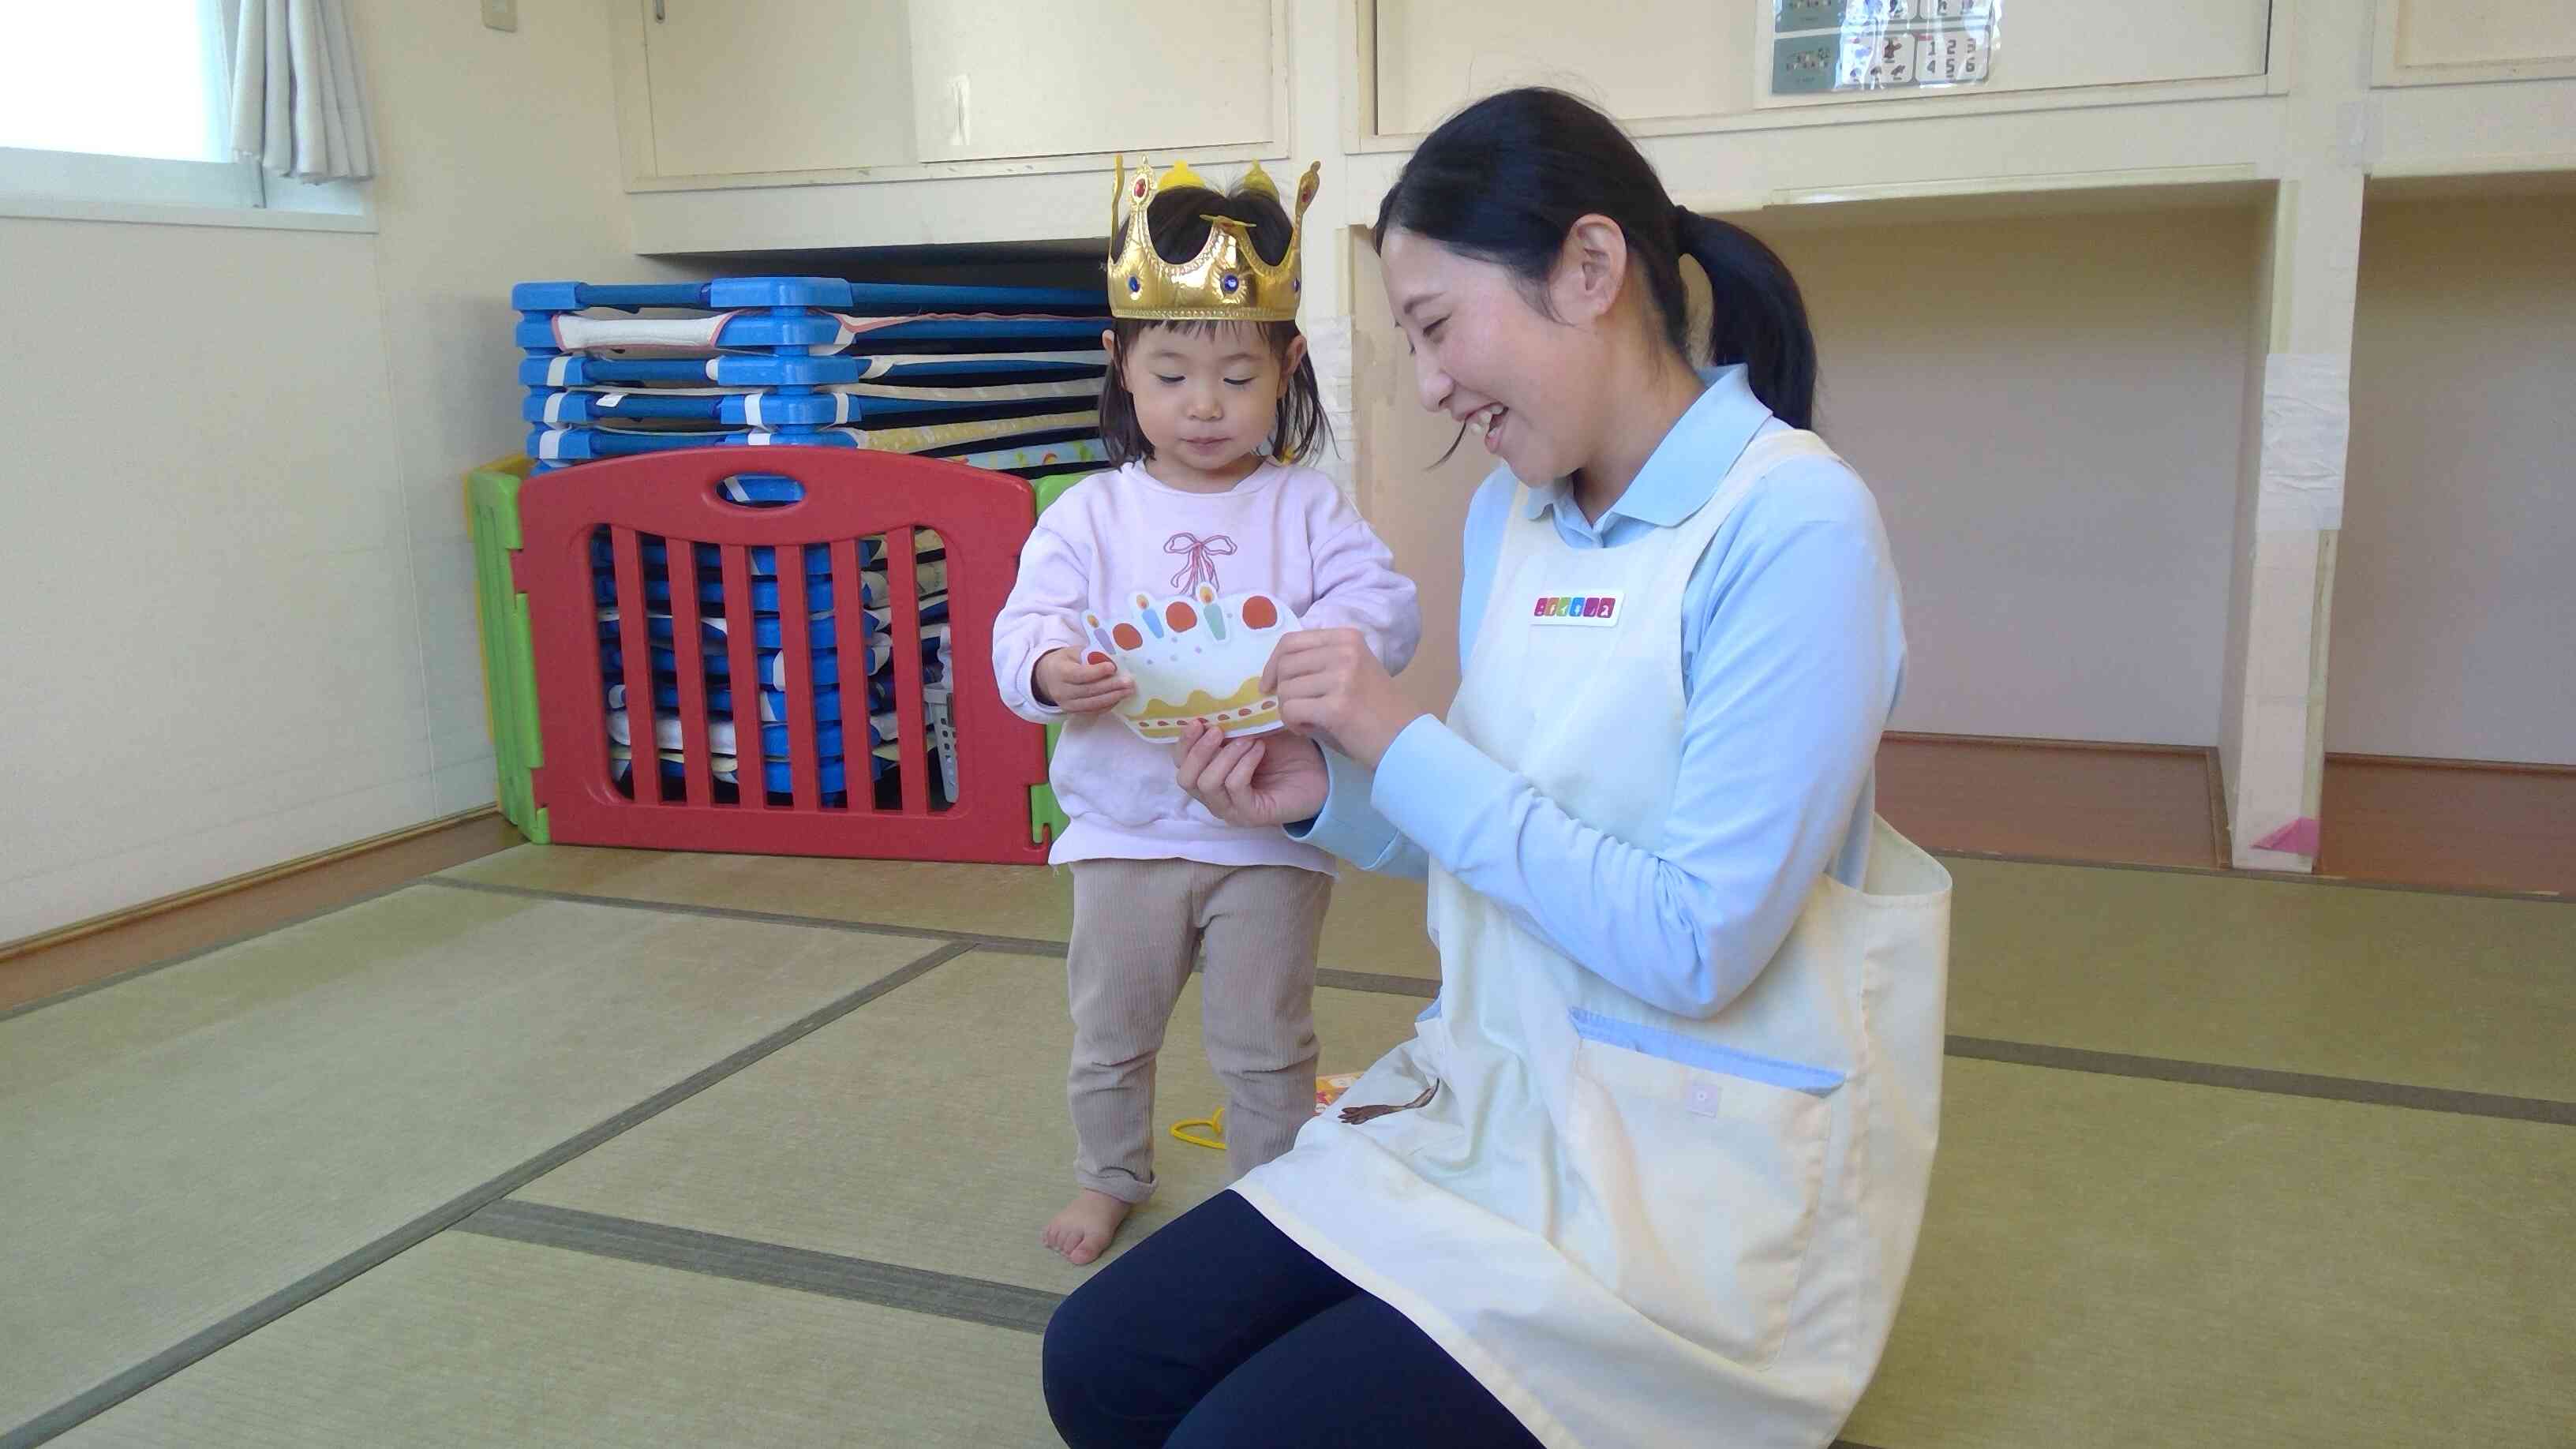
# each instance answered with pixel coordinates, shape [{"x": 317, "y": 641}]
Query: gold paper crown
[{"x": 1227, "y": 281}]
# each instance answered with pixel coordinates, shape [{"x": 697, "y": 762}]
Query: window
[
  {"x": 119, "y": 103},
  {"x": 142, "y": 78}
]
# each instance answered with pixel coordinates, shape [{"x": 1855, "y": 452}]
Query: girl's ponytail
[{"x": 1758, "y": 318}]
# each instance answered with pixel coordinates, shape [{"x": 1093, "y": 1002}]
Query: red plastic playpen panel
[{"x": 982, "y": 518}]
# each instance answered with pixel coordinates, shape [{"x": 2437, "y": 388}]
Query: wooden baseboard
[
  {"x": 2036, "y": 742},
  {"x": 2473, "y": 824},
  {"x": 2416, "y": 762},
  {"x": 2103, "y": 802},
  {"x": 62, "y": 935}
]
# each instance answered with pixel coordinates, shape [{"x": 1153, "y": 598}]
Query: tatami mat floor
[{"x": 593, "y": 1147}]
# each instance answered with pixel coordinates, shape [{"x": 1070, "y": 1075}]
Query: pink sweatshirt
[{"x": 1285, "y": 531}]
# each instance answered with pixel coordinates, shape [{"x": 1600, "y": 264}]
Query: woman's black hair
[
  {"x": 1504, "y": 181},
  {"x": 1177, "y": 221}
]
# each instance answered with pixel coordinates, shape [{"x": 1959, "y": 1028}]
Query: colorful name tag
[{"x": 1597, "y": 611}]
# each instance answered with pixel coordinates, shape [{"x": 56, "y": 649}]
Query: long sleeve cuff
[
  {"x": 1349, "y": 825},
  {"x": 1433, "y": 787},
  {"x": 1020, "y": 686}
]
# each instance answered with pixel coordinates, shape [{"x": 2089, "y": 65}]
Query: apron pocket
[{"x": 1705, "y": 1165}]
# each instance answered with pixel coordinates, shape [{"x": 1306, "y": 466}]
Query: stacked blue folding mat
[{"x": 1000, "y": 377}]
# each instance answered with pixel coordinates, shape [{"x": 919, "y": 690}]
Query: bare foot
[{"x": 1083, "y": 1230}]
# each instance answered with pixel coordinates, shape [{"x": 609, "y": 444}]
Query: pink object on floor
[{"x": 2299, "y": 837}]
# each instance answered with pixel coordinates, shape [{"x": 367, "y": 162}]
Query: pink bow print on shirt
[{"x": 1202, "y": 551}]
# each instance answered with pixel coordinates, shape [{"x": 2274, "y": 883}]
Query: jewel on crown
[{"x": 1227, "y": 280}]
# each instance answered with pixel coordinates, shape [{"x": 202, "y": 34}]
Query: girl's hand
[
  {"x": 1063, "y": 680},
  {"x": 1329, "y": 684},
  {"x": 1271, "y": 779}
]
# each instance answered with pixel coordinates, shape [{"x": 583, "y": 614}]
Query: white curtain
[{"x": 298, "y": 105}]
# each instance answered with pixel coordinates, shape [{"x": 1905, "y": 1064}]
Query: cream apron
[{"x": 1637, "y": 1228}]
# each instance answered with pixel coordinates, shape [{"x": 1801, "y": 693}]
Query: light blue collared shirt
[{"x": 1793, "y": 652}]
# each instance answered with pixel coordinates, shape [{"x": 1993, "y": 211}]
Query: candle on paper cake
[{"x": 1198, "y": 656}]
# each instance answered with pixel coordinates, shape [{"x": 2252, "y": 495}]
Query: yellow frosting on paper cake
[{"x": 1246, "y": 708}]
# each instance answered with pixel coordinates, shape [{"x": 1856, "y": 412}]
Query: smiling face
[
  {"x": 1206, "y": 397},
  {"x": 1486, "y": 355}
]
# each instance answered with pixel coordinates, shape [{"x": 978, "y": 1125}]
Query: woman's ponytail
[
  {"x": 1758, "y": 318},
  {"x": 1505, "y": 179}
]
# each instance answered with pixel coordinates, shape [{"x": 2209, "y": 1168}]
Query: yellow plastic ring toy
[{"x": 1215, "y": 1125}]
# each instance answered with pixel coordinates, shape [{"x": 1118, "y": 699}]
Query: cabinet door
[
  {"x": 1000, "y": 78},
  {"x": 1644, "y": 60},
  {"x": 2484, "y": 32},
  {"x": 736, "y": 86},
  {"x": 2117, "y": 42}
]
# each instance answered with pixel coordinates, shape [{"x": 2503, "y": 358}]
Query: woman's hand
[
  {"x": 1329, "y": 684},
  {"x": 1272, "y": 779}
]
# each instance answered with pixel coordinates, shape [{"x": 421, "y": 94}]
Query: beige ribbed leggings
[{"x": 1137, "y": 926}]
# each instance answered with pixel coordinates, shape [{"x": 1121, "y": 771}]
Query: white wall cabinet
[
  {"x": 726, "y": 93},
  {"x": 1004, "y": 78},
  {"x": 1669, "y": 60},
  {"x": 741, "y": 87},
  {"x": 2443, "y": 42},
  {"x": 1644, "y": 60},
  {"x": 722, "y": 94}
]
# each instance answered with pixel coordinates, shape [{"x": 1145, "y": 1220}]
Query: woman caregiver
[{"x": 1652, "y": 1168}]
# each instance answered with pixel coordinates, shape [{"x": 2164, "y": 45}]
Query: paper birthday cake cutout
[{"x": 1196, "y": 656}]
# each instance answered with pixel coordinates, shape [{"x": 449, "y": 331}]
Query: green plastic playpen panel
[
  {"x": 509, "y": 669},
  {"x": 1046, "y": 818}
]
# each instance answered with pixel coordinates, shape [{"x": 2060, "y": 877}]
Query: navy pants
[{"x": 1219, "y": 1331}]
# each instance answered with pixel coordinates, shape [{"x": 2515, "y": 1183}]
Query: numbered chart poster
[{"x": 1829, "y": 46}]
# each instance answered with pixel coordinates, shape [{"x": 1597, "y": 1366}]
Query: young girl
[
  {"x": 1650, "y": 1171},
  {"x": 1209, "y": 403}
]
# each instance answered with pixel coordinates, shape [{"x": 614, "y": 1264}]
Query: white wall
[
  {"x": 2049, "y": 411},
  {"x": 240, "y": 596},
  {"x": 215, "y": 648},
  {"x": 500, "y": 166},
  {"x": 2455, "y": 591}
]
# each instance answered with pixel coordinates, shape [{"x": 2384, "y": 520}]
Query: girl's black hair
[
  {"x": 1504, "y": 181},
  {"x": 1177, "y": 221}
]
